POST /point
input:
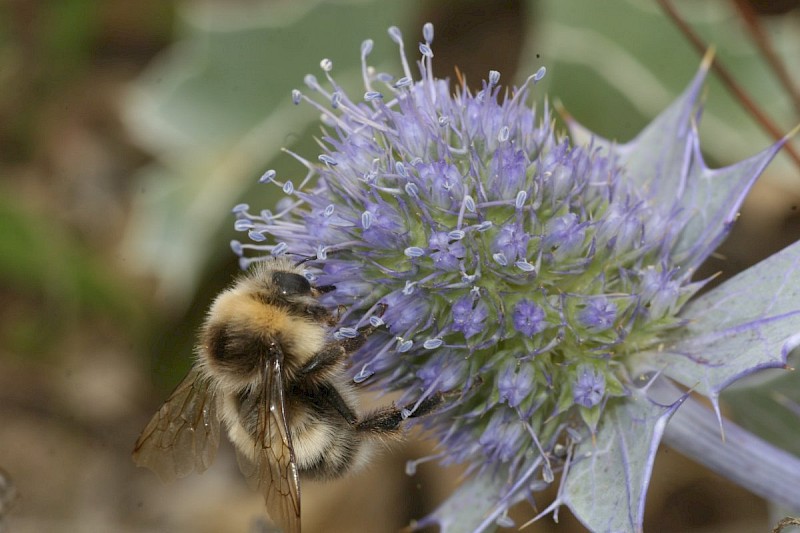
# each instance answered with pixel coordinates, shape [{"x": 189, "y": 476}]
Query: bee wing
[
  {"x": 274, "y": 472},
  {"x": 183, "y": 436}
]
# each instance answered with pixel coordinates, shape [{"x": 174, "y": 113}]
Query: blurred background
[{"x": 128, "y": 130}]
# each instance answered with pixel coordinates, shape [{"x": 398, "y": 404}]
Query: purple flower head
[
  {"x": 542, "y": 282},
  {"x": 512, "y": 242},
  {"x": 446, "y": 253},
  {"x": 382, "y": 225},
  {"x": 404, "y": 311},
  {"x": 598, "y": 314},
  {"x": 515, "y": 383},
  {"x": 469, "y": 315},
  {"x": 662, "y": 292},
  {"x": 529, "y": 318},
  {"x": 622, "y": 228},
  {"x": 503, "y": 435},
  {"x": 442, "y": 373},
  {"x": 507, "y": 172},
  {"x": 564, "y": 235},
  {"x": 442, "y": 183},
  {"x": 349, "y": 284},
  {"x": 326, "y": 223},
  {"x": 589, "y": 387}
]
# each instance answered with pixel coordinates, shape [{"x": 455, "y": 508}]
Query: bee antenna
[{"x": 305, "y": 259}]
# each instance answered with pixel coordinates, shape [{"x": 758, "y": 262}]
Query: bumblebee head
[
  {"x": 272, "y": 306},
  {"x": 280, "y": 282}
]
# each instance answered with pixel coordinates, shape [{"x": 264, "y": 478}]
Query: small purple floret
[{"x": 589, "y": 387}]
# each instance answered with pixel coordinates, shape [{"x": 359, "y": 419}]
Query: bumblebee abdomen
[{"x": 325, "y": 447}]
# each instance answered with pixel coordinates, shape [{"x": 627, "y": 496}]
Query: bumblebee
[{"x": 267, "y": 367}]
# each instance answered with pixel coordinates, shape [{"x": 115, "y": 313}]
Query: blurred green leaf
[
  {"x": 216, "y": 111},
  {"x": 69, "y": 30},
  {"x": 38, "y": 259}
]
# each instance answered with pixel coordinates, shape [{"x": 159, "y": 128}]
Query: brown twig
[
  {"x": 728, "y": 80},
  {"x": 753, "y": 25}
]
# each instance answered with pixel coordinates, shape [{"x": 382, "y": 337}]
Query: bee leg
[
  {"x": 388, "y": 420},
  {"x": 383, "y": 421},
  {"x": 335, "y": 351},
  {"x": 328, "y": 394},
  {"x": 322, "y": 362},
  {"x": 350, "y": 345}
]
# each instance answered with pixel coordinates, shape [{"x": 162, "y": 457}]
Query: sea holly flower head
[{"x": 539, "y": 283}]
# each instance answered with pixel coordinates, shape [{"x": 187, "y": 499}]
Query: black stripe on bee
[{"x": 238, "y": 350}]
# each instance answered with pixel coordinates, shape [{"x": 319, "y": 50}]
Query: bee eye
[{"x": 290, "y": 284}]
